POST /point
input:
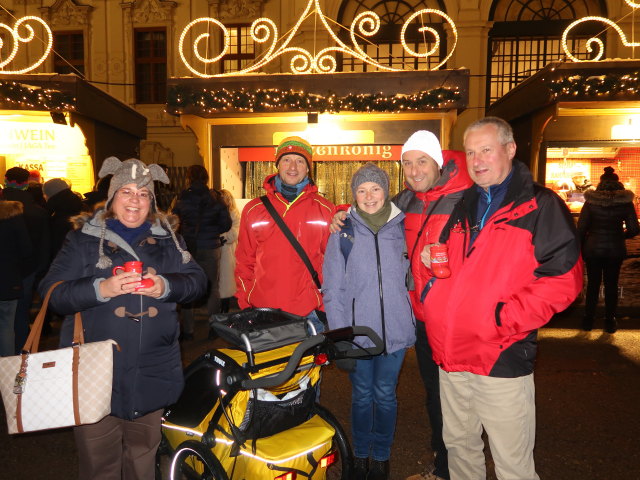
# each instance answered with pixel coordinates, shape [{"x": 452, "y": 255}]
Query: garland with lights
[
  {"x": 18, "y": 95},
  {"x": 610, "y": 85},
  {"x": 182, "y": 98}
]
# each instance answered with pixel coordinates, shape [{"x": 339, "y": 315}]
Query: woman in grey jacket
[{"x": 364, "y": 284}]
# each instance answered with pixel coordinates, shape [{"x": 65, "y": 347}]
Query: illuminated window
[
  {"x": 526, "y": 36},
  {"x": 69, "y": 52},
  {"x": 241, "y": 49},
  {"x": 385, "y": 46},
  {"x": 150, "y": 46}
]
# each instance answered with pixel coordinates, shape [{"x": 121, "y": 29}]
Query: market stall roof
[
  {"x": 406, "y": 91},
  {"x": 581, "y": 82},
  {"x": 69, "y": 93}
]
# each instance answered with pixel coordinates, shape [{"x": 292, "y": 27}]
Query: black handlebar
[
  {"x": 330, "y": 337},
  {"x": 287, "y": 372}
]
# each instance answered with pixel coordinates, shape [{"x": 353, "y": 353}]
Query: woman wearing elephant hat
[{"x": 136, "y": 309}]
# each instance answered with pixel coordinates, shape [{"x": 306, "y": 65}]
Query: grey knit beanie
[
  {"x": 54, "y": 186},
  {"x": 124, "y": 173},
  {"x": 369, "y": 172}
]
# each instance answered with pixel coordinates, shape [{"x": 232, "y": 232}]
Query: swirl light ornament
[
  {"x": 24, "y": 24},
  {"x": 264, "y": 30},
  {"x": 594, "y": 43}
]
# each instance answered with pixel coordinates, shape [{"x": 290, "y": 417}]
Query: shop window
[
  {"x": 570, "y": 170},
  {"x": 526, "y": 36},
  {"x": 385, "y": 47},
  {"x": 241, "y": 49},
  {"x": 68, "y": 50},
  {"x": 150, "y": 47}
]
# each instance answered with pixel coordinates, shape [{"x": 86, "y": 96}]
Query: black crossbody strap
[{"x": 292, "y": 239}]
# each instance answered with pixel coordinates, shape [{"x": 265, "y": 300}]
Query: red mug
[
  {"x": 134, "y": 266},
  {"x": 440, "y": 261}
]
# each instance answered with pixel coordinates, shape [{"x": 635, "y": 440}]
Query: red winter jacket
[
  {"x": 523, "y": 267},
  {"x": 436, "y": 204},
  {"x": 269, "y": 272}
]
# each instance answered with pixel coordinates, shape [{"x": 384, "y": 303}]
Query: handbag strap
[
  {"x": 292, "y": 239},
  {"x": 33, "y": 340}
]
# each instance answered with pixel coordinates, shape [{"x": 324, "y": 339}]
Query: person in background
[
  {"x": 203, "y": 219},
  {"x": 15, "y": 251},
  {"x": 62, "y": 204},
  {"x": 606, "y": 220},
  {"x": 514, "y": 258},
  {"x": 35, "y": 187},
  {"x": 37, "y": 221},
  {"x": 435, "y": 180},
  {"x": 227, "y": 284},
  {"x": 140, "y": 316},
  {"x": 97, "y": 195},
  {"x": 368, "y": 289},
  {"x": 269, "y": 271}
]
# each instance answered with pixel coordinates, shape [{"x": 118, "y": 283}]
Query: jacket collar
[{"x": 93, "y": 227}]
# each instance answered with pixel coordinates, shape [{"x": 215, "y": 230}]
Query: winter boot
[
  {"x": 360, "y": 468},
  {"x": 378, "y": 470},
  {"x": 610, "y": 325}
]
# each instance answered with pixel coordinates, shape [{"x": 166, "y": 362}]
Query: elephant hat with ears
[{"x": 143, "y": 176}]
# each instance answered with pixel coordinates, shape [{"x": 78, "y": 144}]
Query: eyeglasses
[{"x": 128, "y": 193}]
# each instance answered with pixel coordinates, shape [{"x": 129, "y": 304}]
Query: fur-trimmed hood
[
  {"x": 79, "y": 221},
  {"x": 10, "y": 209},
  {"x": 607, "y": 198},
  {"x": 95, "y": 225}
]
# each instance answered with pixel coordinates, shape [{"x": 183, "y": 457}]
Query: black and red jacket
[
  {"x": 524, "y": 266},
  {"x": 433, "y": 207}
]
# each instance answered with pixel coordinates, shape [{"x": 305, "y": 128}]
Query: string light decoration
[
  {"x": 183, "y": 99},
  {"x": 609, "y": 85},
  {"x": 594, "y": 43},
  {"x": 264, "y": 30},
  {"x": 17, "y": 39},
  {"x": 14, "y": 94}
]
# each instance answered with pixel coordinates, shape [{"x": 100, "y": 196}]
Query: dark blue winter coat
[
  {"x": 147, "y": 371},
  {"x": 202, "y": 218}
]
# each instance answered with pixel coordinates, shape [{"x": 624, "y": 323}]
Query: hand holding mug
[
  {"x": 132, "y": 267},
  {"x": 151, "y": 286}
]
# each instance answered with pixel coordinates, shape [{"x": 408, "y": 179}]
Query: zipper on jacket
[
  {"x": 380, "y": 293},
  {"x": 353, "y": 312}
]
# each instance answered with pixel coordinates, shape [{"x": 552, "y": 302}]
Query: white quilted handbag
[{"x": 57, "y": 388}]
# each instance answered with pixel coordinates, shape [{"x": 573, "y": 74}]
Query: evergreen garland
[{"x": 184, "y": 99}]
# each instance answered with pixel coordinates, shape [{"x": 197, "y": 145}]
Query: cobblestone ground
[{"x": 587, "y": 395}]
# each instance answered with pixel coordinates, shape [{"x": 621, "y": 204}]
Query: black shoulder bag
[{"x": 292, "y": 239}]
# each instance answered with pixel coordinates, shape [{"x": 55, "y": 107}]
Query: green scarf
[{"x": 377, "y": 220}]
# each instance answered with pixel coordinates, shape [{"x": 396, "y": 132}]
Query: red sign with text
[{"x": 329, "y": 153}]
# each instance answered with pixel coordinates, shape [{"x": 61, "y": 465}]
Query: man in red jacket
[
  {"x": 515, "y": 261},
  {"x": 269, "y": 272},
  {"x": 435, "y": 180}
]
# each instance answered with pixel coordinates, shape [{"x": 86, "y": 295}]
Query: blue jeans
[
  {"x": 319, "y": 326},
  {"x": 7, "y": 317},
  {"x": 374, "y": 405}
]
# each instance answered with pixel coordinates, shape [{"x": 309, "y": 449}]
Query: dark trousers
[
  {"x": 599, "y": 269},
  {"x": 116, "y": 449},
  {"x": 429, "y": 372},
  {"x": 209, "y": 260}
]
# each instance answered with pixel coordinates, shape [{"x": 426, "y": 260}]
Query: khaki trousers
[
  {"x": 116, "y": 449},
  {"x": 505, "y": 408}
]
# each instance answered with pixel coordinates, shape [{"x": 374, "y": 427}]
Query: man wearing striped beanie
[{"x": 269, "y": 271}]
